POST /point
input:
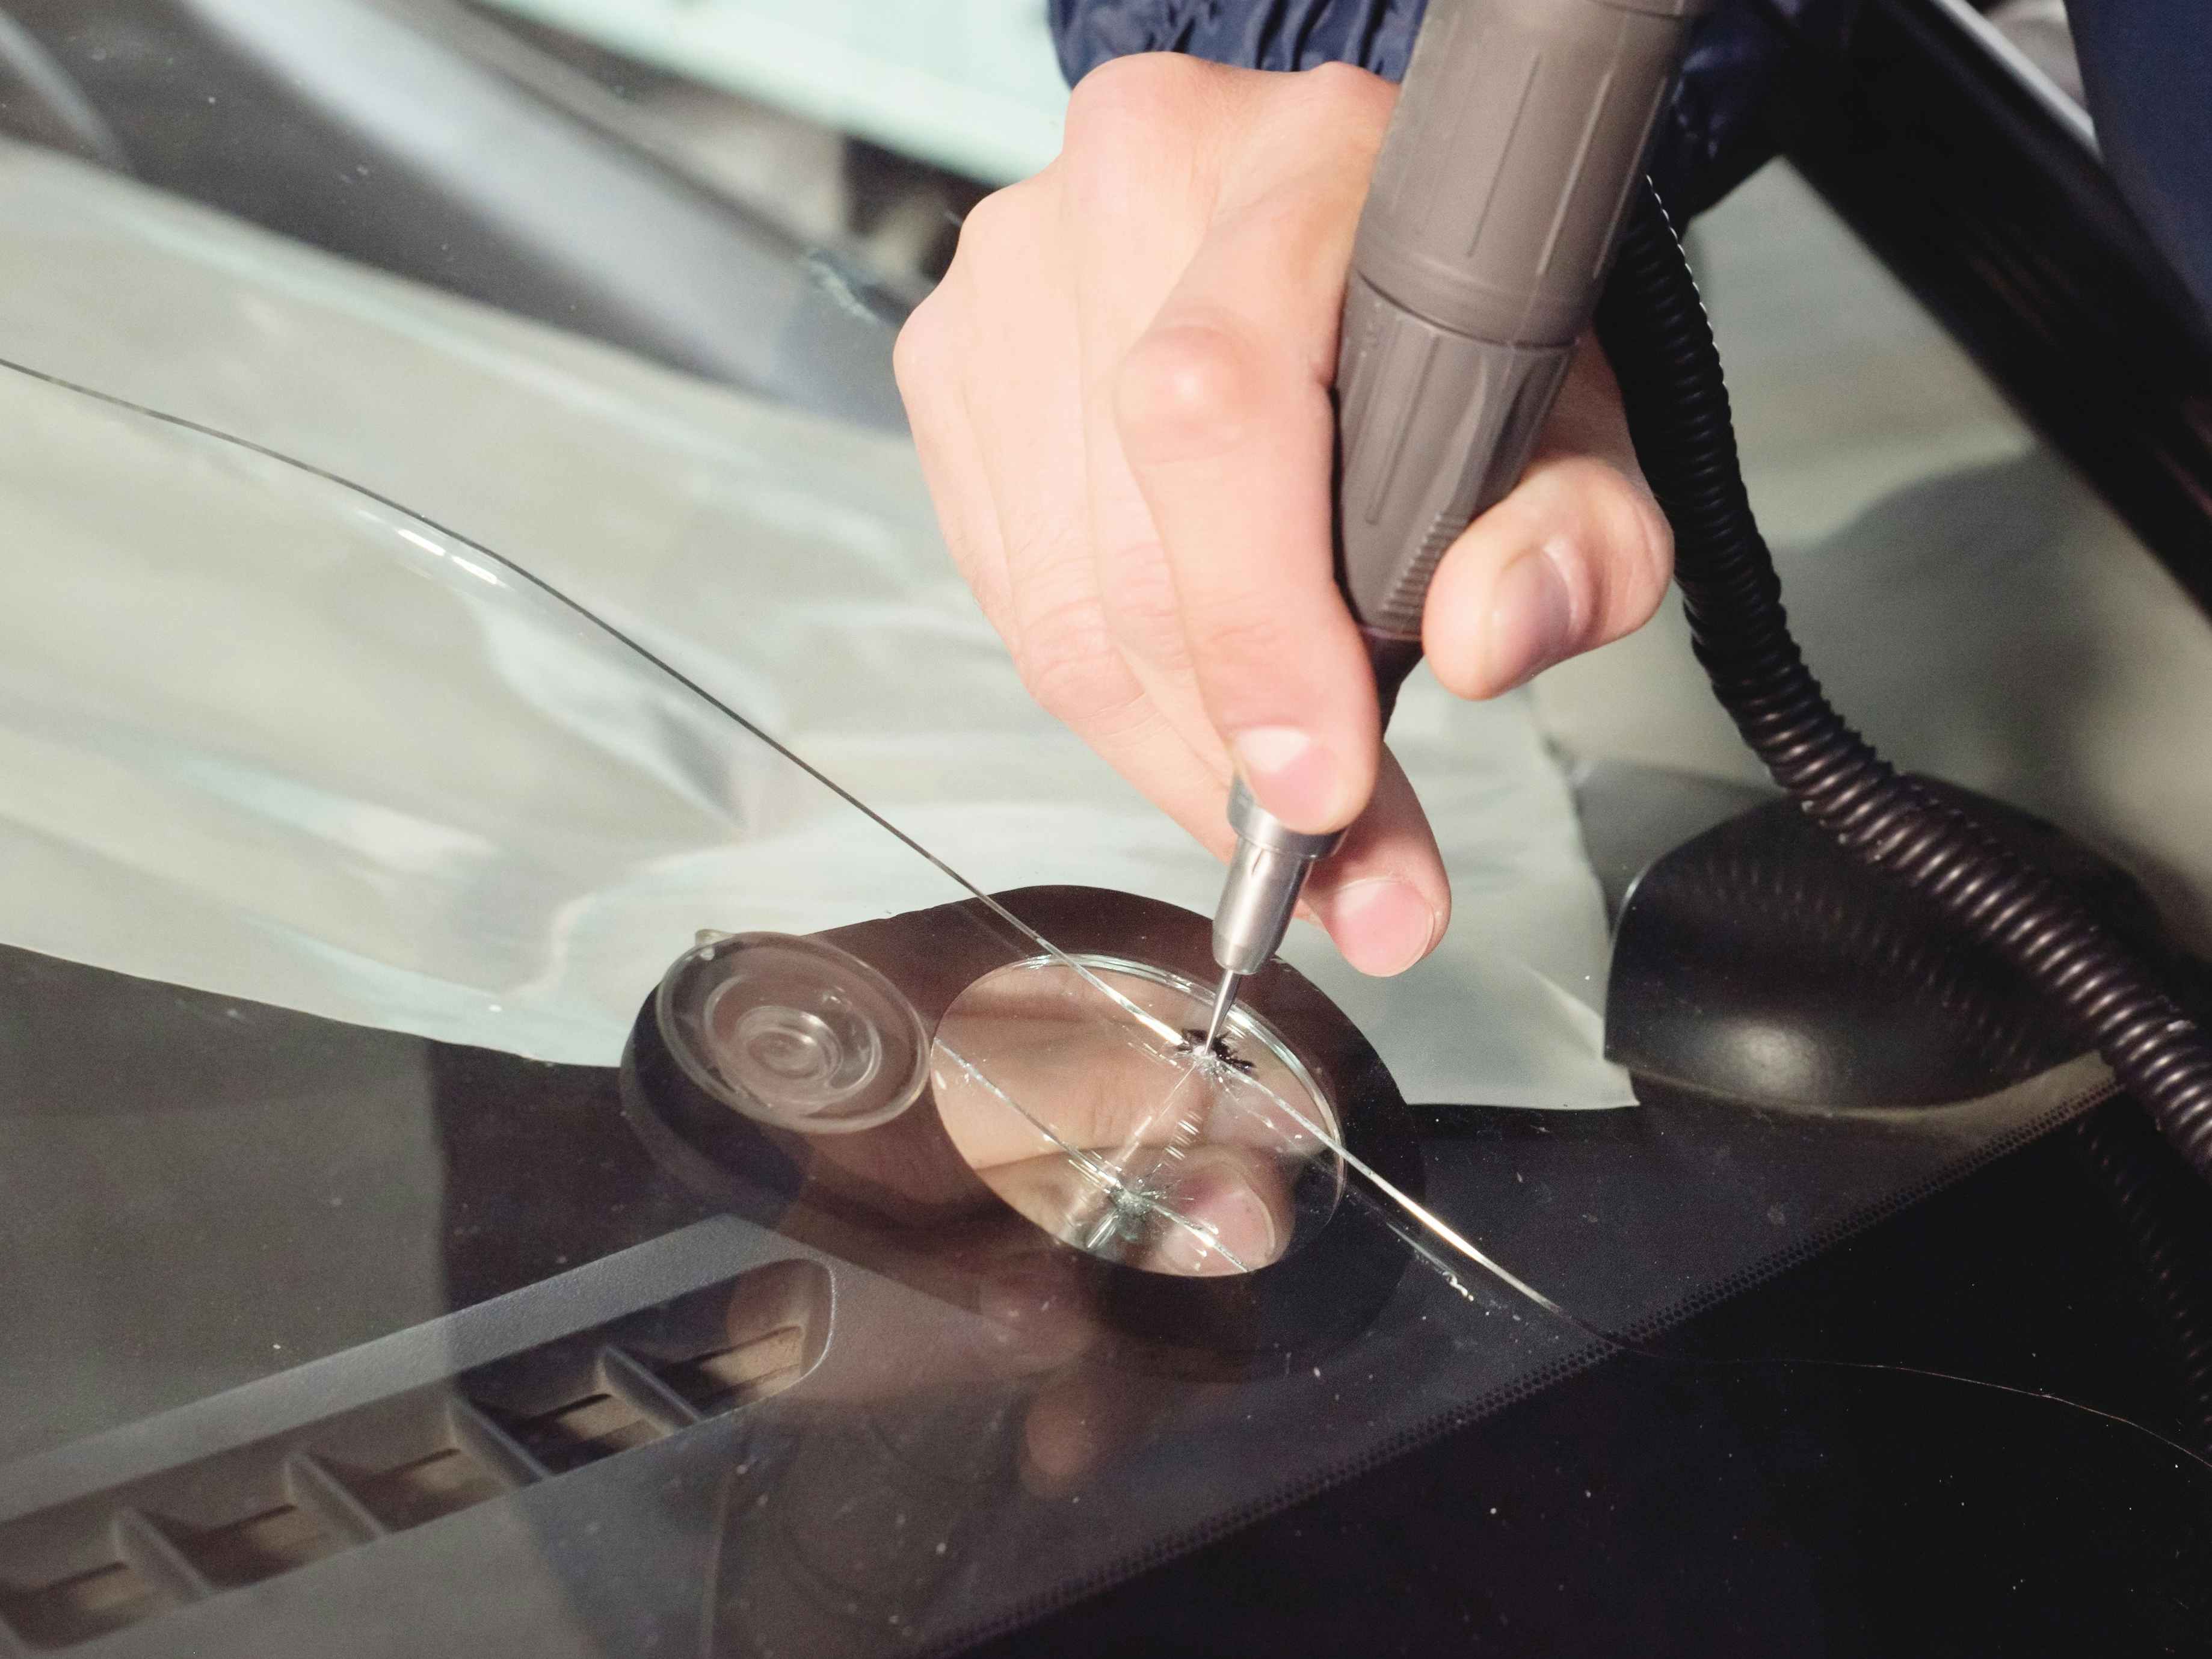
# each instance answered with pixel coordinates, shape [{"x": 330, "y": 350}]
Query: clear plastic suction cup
[{"x": 794, "y": 1033}]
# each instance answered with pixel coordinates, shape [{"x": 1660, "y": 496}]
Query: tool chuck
[{"x": 1257, "y": 900}]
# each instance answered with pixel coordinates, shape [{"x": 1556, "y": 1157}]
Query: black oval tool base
[{"x": 1758, "y": 963}]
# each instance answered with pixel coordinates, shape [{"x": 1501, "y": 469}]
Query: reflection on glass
[{"x": 1136, "y": 1151}]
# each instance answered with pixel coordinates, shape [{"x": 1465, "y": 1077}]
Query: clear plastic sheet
[{"x": 788, "y": 564}]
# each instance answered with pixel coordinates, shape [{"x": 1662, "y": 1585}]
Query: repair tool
[{"x": 1489, "y": 225}]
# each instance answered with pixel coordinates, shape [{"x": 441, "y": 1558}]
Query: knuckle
[
  {"x": 1142, "y": 607},
  {"x": 1132, "y": 91},
  {"x": 992, "y": 222},
  {"x": 1245, "y": 648},
  {"x": 1191, "y": 389},
  {"x": 1066, "y": 661},
  {"x": 1352, "y": 93}
]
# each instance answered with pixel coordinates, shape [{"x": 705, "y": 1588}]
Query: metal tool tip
[{"x": 1223, "y": 1000}]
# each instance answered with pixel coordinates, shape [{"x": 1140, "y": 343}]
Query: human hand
[{"x": 1120, "y": 396}]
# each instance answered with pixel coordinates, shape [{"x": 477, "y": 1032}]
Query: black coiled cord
[{"x": 1653, "y": 328}]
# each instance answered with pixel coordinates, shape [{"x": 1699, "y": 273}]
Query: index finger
[{"x": 1225, "y": 417}]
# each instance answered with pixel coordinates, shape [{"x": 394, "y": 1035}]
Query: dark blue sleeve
[
  {"x": 1711, "y": 135},
  {"x": 2146, "y": 68}
]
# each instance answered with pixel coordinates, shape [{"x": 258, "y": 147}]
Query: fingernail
[
  {"x": 1383, "y": 925},
  {"x": 1293, "y": 775},
  {"x": 1242, "y": 1230},
  {"x": 1531, "y": 617}
]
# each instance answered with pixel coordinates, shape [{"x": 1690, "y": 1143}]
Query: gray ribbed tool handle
[{"x": 1487, "y": 233}]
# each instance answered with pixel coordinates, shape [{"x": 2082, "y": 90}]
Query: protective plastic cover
[{"x": 788, "y": 564}]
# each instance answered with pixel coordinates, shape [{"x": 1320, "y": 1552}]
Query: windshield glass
[{"x": 564, "y": 1021}]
